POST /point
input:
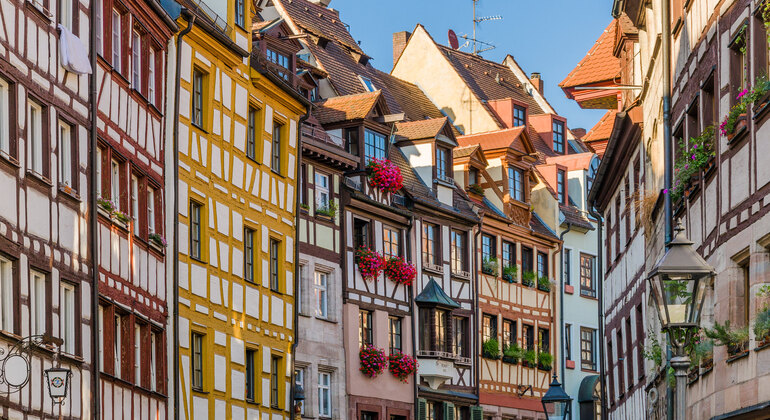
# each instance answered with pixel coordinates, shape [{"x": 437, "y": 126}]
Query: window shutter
[
  {"x": 422, "y": 409},
  {"x": 449, "y": 411},
  {"x": 477, "y": 413}
]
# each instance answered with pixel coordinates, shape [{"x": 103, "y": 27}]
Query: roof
[
  {"x": 573, "y": 162},
  {"x": 464, "y": 151},
  {"x": 538, "y": 226},
  {"x": 494, "y": 208},
  {"x": 588, "y": 389},
  {"x": 499, "y": 139},
  {"x": 603, "y": 128},
  {"x": 575, "y": 217},
  {"x": 411, "y": 100},
  {"x": 420, "y": 129},
  {"x": 433, "y": 294},
  {"x": 599, "y": 64},
  {"x": 319, "y": 20},
  {"x": 345, "y": 108}
]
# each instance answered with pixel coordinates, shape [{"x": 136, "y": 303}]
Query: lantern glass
[
  {"x": 678, "y": 298},
  {"x": 556, "y": 402},
  {"x": 556, "y": 410},
  {"x": 58, "y": 382}
]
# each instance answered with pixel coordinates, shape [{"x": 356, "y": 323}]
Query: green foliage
[
  {"x": 476, "y": 188},
  {"x": 764, "y": 291},
  {"x": 509, "y": 273},
  {"x": 762, "y": 325},
  {"x": 490, "y": 349},
  {"x": 702, "y": 351},
  {"x": 545, "y": 360},
  {"x": 654, "y": 351},
  {"x": 544, "y": 284},
  {"x": 528, "y": 278},
  {"x": 513, "y": 353},
  {"x": 723, "y": 335},
  {"x": 530, "y": 356},
  {"x": 671, "y": 378},
  {"x": 304, "y": 206},
  {"x": 489, "y": 266},
  {"x": 330, "y": 210},
  {"x": 694, "y": 155}
]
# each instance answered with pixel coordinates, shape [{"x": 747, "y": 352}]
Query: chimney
[
  {"x": 579, "y": 133},
  {"x": 399, "y": 42},
  {"x": 537, "y": 82}
]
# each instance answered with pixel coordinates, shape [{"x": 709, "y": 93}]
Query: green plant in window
[
  {"x": 510, "y": 272},
  {"x": 762, "y": 325},
  {"x": 544, "y": 283},
  {"x": 490, "y": 349},
  {"x": 512, "y": 353},
  {"x": 329, "y": 210},
  {"x": 489, "y": 265},
  {"x": 528, "y": 278},
  {"x": 530, "y": 357},
  {"x": 476, "y": 188},
  {"x": 544, "y": 360},
  {"x": 724, "y": 335}
]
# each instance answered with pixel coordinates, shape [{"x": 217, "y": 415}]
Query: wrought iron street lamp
[
  {"x": 678, "y": 284},
  {"x": 556, "y": 403},
  {"x": 58, "y": 382}
]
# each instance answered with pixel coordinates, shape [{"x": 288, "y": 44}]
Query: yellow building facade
[{"x": 237, "y": 156}]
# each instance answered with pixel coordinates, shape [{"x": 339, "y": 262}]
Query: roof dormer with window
[{"x": 552, "y": 129}]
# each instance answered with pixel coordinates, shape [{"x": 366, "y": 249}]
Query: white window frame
[
  {"x": 321, "y": 288},
  {"x": 116, "y": 41},
  {"x": 138, "y": 354},
  {"x": 6, "y": 294},
  {"x": 150, "y": 210},
  {"x": 322, "y": 196},
  {"x": 5, "y": 117},
  {"x": 35, "y": 136},
  {"x": 115, "y": 183},
  {"x": 65, "y": 154},
  {"x": 67, "y": 317},
  {"x": 65, "y": 13},
  {"x": 135, "y": 204},
  {"x": 117, "y": 346},
  {"x": 368, "y": 84},
  {"x": 153, "y": 361},
  {"x": 324, "y": 394},
  {"x": 136, "y": 61},
  {"x": 99, "y": 26},
  {"x": 37, "y": 302},
  {"x": 151, "y": 76},
  {"x": 98, "y": 171}
]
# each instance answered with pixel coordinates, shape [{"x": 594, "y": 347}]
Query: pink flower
[
  {"x": 665, "y": 191},
  {"x": 742, "y": 94}
]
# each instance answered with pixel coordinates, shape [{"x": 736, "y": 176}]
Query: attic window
[{"x": 368, "y": 85}]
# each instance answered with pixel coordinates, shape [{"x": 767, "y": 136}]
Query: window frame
[
  {"x": 197, "y": 356},
  {"x": 391, "y": 242},
  {"x": 197, "y": 108},
  {"x": 365, "y": 328},
  {"x": 6, "y": 100},
  {"x": 591, "y": 350},
  {"x": 135, "y": 189},
  {"x": 250, "y": 383},
  {"x": 252, "y": 125},
  {"x": 588, "y": 290},
  {"x": 458, "y": 254},
  {"x": 375, "y": 143},
  {"x": 116, "y": 37},
  {"x": 276, "y": 149},
  {"x": 67, "y": 156},
  {"x": 68, "y": 317},
  {"x": 519, "y": 115},
  {"x": 324, "y": 394},
  {"x": 275, "y": 264},
  {"x": 248, "y": 254},
  {"x": 443, "y": 163},
  {"x": 36, "y": 144},
  {"x": 321, "y": 292},
  {"x": 509, "y": 249},
  {"x": 509, "y": 337},
  {"x": 38, "y": 296},
  {"x": 488, "y": 329},
  {"x": 516, "y": 184},
  {"x": 275, "y": 368},
  {"x": 561, "y": 186},
  {"x": 395, "y": 337},
  {"x": 8, "y": 294},
  {"x": 196, "y": 224},
  {"x": 240, "y": 14},
  {"x": 430, "y": 244},
  {"x": 136, "y": 61},
  {"x": 322, "y": 189},
  {"x": 559, "y": 137},
  {"x": 459, "y": 336}
]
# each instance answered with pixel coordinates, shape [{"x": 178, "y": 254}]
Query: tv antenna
[{"x": 476, "y": 21}]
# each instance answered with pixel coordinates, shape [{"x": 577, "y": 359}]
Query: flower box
[
  {"x": 490, "y": 349},
  {"x": 384, "y": 175},
  {"x": 707, "y": 364},
  {"x": 710, "y": 167},
  {"x": 402, "y": 366},
  {"x": 369, "y": 263},
  {"x": 741, "y": 125},
  {"x": 373, "y": 361},
  {"x": 692, "y": 375},
  {"x": 399, "y": 271}
]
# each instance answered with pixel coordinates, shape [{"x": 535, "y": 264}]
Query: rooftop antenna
[{"x": 476, "y": 21}]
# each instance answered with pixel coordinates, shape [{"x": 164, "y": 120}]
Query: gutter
[
  {"x": 93, "y": 221},
  {"x": 667, "y": 140},
  {"x": 474, "y": 337},
  {"x": 600, "y": 294},
  {"x": 561, "y": 301},
  {"x": 416, "y": 381},
  {"x": 175, "y": 147}
]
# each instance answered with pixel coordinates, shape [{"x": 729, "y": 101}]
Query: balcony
[{"x": 438, "y": 269}]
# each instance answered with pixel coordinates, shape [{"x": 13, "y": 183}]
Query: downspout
[
  {"x": 414, "y": 315},
  {"x": 561, "y": 302},
  {"x": 600, "y": 310},
  {"x": 475, "y": 337},
  {"x": 94, "y": 225},
  {"x": 175, "y": 147},
  {"x": 667, "y": 140}
]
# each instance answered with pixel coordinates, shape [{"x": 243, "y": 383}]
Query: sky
[{"x": 545, "y": 36}]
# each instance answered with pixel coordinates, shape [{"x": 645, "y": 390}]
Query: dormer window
[
  {"x": 558, "y": 137},
  {"x": 516, "y": 184},
  {"x": 442, "y": 163},
  {"x": 368, "y": 85},
  {"x": 473, "y": 176},
  {"x": 560, "y": 187},
  {"x": 374, "y": 146},
  {"x": 279, "y": 59},
  {"x": 519, "y": 116}
]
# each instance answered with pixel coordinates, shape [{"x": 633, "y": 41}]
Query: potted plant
[
  {"x": 370, "y": 263},
  {"x": 510, "y": 272},
  {"x": 512, "y": 354},
  {"x": 490, "y": 349},
  {"x": 528, "y": 278},
  {"x": 529, "y": 359},
  {"x": 476, "y": 189},
  {"x": 736, "y": 118},
  {"x": 304, "y": 206},
  {"x": 329, "y": 210},
  {"x": 402, "y": 366},
  {"x": 384, "y": 175},
  {"x": 489, "y": 266},
  {"x": 703, "y": 354},
  {"x": 654, "y": 352},
  {"x": 544, "y": 360},
  {"x": 157, "y": 239},
  {"x": 105, "y": 205},
  {"x": 399, "y": 271},
  {"x": 544, "y": 284},
  {"x": 373, "y": 361},
  {"x": 735, "y": 340},
  {"x": 121, "y": 217},
  {"x": 762, "y": 327},
  {"x": 760, "y": 93}
]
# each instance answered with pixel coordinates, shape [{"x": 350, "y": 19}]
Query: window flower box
[
  {"x": 370, "y": 263},
  {"x": 384, "y": 175},
  {"x": 476, "y": 189},
  {"x": 510, "y": 272},
  {"x": 157, "y": 241},
  {"x": 402, "y": 366},
  {"x": 373, "y": 361},
  {"x": 544, "y": 284},
  {"x": 512, "y": 354},
  {"x": 490, "y": 349},
  {"x": 544, "y": 361},
  {"x": 399, "y": 271},
  {"x": 528, "y": 278},
  {"x": 489, "y": 266},
  {"x": 529, "y": 359}
]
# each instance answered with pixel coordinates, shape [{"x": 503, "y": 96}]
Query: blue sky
[{"x": 546, "y": 36}]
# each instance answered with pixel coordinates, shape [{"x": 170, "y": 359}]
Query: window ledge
[
  {"x": 39, "y": 179},
  {"x": 9, "y": 161},
  {"x": 69, "y": 193},
  {"x": 41, "y": 12},
  {"x": 72, "y": 358},
  {"x": 277, "y": 173}
]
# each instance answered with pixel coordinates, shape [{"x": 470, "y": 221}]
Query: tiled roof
[
  {"x": 542, "y": 148},
  {"x": 538, "y": 226},
  {"x": 489, "y": 80},
  {"x": 319, "y": 20},
  {"x": 420, "y": 129},
  {"x": 344, "y": 108},
  {"x": 500, "y": 139},
  {"x": 599, "y": 64},
  {"x": 411, "y": 99},
  {"x": 464, "y": 151},
  {"x": 574, "y": 216},
  {"x": 573, "y": 162},
  {"x": 603, "y": 128}
]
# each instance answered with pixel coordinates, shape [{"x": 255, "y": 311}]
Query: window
[
  {"x": 248, "y": 254},
  {"x": 321, "y": 293},
  {"x": 117, "y": 347},
  {"x": 135, "y": 204},
  {"x": 275, "y": 163},
  {"x": 519, "y": 115},
  {"x": 197, "y": 361},
  {"x": 560, "y": 187},
  {"x": 154, "y": 361},
  {"x": 460, "y": 329},
  {"x": 150, "y": 210},
  {"x": 374, "y": 146},
  {"x": 197, "y": 103},
  {"x": 526, "y": 259},
  {"x": 351, "y": 140},
  {"x": 368, "y": 85},
  {"x": 300, "y": 293},
  {"x": 592, "y": 174},
  {"x": 7, "y": 296},
  {"x": 240, "y": 13},
  {"x": 489, "y": 327},
  {"x": 457, "y": 251},
  {"x": 516, "y": 184},
  {"x": 509, "y": 333},
  {"x": 66, "y": 157},
  {"x": 299, "y": 381},
  {"x": 99, "y": 172},
  {"x": 100, "y": 321},
  {"x": 425, "y": 330},
  {"x": 99, "y": 25},
  {"x": 369, "y": 415},
  {"x": 35, "y": 137},
  {"x": 394, "y": 325},
  {"x": 38, "y": 303},
  {"x": 621, "y": 361},
  {"x": 568, "y": 341},
  {"x": 67, "y": 317},
  {"x": 558, "y": 137},
  {"x": 5, "y": 117},
  {"x": 543, "y": 340},
  {"x": 117, "y": 42},
  {"x": 567, "y": 257},
  {"x": 360, "y": 233},
  {"x": 440, "y": 327},
  {"x": 136, "y": 61},
  {"x": 587, "y": 357},
  {"x": 488, "y": 251},
  {"x": 391, "y": 246},
  {"x": 281, "y": 60},
  {"x": 195, "y": 231},
  {"x": 528, "y": 333},
  {"x": 115, "y": 173},
  {"x": 324, "y": 394},
  {"x": 251, "y": 134},
  {"x": 509, "y": 254},
  {"x": 442, "y": 163},
  {"x": 587, "y": 273},
  {"x": 137, "y": 354},
  {"x": 251, "y": 375},
  {"x": 274, "y": 247},
  {"x": 321, "y": 191},
  {"x": 365, "y": 328},
  {"x": 473, "y": 176},
  {"x": 430, "y": 243},
  {"x": 738, "y": 64},
  {"x": 275, "y": 366},
  {"x": 151, "y": 76},
  {"x": 542, "y": 264}
]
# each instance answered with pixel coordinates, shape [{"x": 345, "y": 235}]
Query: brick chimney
[
  {"x": 579, "y": 132},
  {"x": 537, "y": 82},
  {"x": 399, "y": 43}
]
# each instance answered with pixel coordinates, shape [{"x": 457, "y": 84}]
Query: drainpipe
[
  {"x": 667, "y": 140},
  {"x": 561, "y": 302},
  {"x": 414, "y": 316},
  {"x": 93, "y": 224},
  {"x": 475, "y": 337},
  {"x": 190, "y": 18},
  {"x": 600, "y": 294}
]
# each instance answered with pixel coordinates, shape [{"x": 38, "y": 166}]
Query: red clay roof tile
[
  {"x": 599, "y": 64},
  {"x": 345, "y": 108}
]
